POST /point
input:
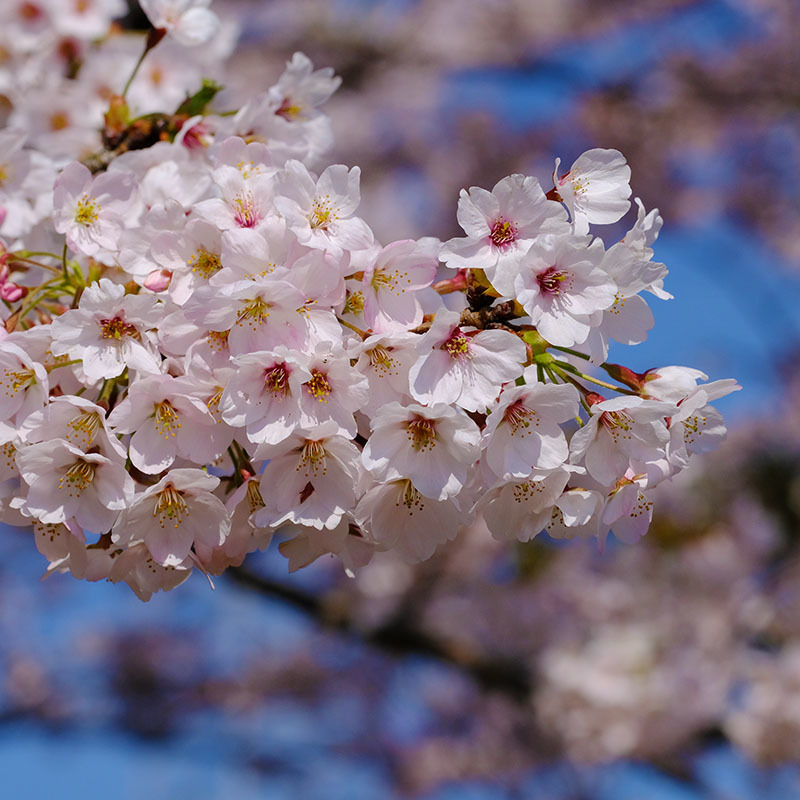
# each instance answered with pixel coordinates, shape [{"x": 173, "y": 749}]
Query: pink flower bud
[
  {"x": 158, "y": 280},
  {"x": 11, "y": 292}
]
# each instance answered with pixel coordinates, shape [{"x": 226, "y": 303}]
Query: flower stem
[
  {"x": 362, "y": 334},
  {"x": 153, "y": 38},
  {"x": 570, "y": 351},
  {"x": 564, "y": 368}
]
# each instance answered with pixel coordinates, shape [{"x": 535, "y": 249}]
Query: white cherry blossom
[
  {"x": 562, "y": 287},
  {"x": 190, "y": 22},
  {"x": 502, "y": 224},
  {"x": 596, "y": 188},
  {"x": 263, "y": 395},
  {"x": 67, "y": 483},
  {"x": 311, "y": 478},
  {"x": 399, "y": 517},
  {"x": 433, "y": 447},
  {"x": 166, "y": 422},
  {"x": 620, "y": 431},
  {"x": 90, "y": 211},
  {"x": 523, "y": 431},
  {"x": 321, "y": 211},
  {"x": 24, "y": 383},
  {"x": 465, "y": 367},
  {"x": 173, "y": 514},
  {"x": 109, "y": 331}
]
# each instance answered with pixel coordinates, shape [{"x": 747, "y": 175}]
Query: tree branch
[{"x": 508, "y": 676}]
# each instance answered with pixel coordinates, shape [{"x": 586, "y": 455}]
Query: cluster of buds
[{"x": 204, "y": 343}]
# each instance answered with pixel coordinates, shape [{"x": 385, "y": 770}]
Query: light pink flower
[
  {"x": 462, "y": 366},
  {"x": 188, "y": 21},
  {"x": 434, "y": 447},
  {"x": 174, "y": 513},
  {"x": 90, "y": 211}
]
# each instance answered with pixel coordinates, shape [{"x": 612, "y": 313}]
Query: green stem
[
  {"x": 570, "y": 351},
  {"x": 105, "y": 390},
  {"x": 64, "y": 260},
  {"x": 563, "y": 367},
  {"x": 64, "y": 364},
  {"x": 36, "y": 297},
  {"x": 31, "y": 262},
  {"x": 552, "y": 374},
  {"x": 153, "y": 38},
  {"x": 28, "y": 253}
]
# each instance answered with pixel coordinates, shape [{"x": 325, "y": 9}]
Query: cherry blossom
[
  {"x": 174, "y": 513},
  {"x": 66, "y": 483},
  {"x": 109, "y": 331},
  {"x": 463, "y": 366},
  {"x": 596, "y": 188},
  {"x": 562, "y": 287},
  {"x": 523, "y": 431},
  {"x": 90, "y": 211},
  {"x": 204, "y": 345},
  {"x": 502, "y": 224},
  {"x": 321, "y": 210},
  {"x": 189, "y": 21},
  {"x": 431, "y": 446},
  {"x": 311, "y": 478}
]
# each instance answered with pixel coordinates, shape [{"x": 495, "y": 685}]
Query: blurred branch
[{"x": 508, "y": 676}]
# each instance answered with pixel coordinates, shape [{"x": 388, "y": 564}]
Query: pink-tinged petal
[
  {"x": 105, "y": 362},
  {"x": 195, "y": 26},
  {"x": 93, "y": 516},
  {"x": 353, "y": 234},
  {"x": 605, "y": 462},
  {"x": 435, "y": 376},
  {"x": 578, "y": 506},
  {"x": 152, "y": 452},
  {"x": 114, "y": 486},
  {"x": 563, "y": 330},
  {"x": 458, "y": 253},
  {"x": 169, "y": 545},
  {"x": 472, "y": 207},
  {"x": 208, "y": 521},
  {"x": 628, "y": 320}
]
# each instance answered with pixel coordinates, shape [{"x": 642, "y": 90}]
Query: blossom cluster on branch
[{"x": 204, "y": 342}]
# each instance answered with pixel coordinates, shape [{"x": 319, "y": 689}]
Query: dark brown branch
[
  {"x": 482, "y": 318},
  {"x": 508, "y": 676}
]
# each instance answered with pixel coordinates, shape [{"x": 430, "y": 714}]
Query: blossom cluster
[{"x": 204, "y": 342}]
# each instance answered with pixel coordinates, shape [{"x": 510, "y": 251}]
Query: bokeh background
[{"x": 669, "y": 670}]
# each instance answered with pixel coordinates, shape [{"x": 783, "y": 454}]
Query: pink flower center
[
  {"x": 503, "y": 233},
  {"x": 117, "y": 328},
  {"x": 518, "y": 416},
  {"x": 457, "y": 346},
  {"x": 318, "y": 386},
  {"x": 421, "y": 433},
  {"x": 276, "y": 380},
  {"x": 245, "y": 212},
  {"x": 289, "y": 109},
  {"x": 553, "y": 281}
]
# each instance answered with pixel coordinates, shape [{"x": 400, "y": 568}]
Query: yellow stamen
[
  {"x": 421, "y": 433},
  {"x": 167, "y": 419},
  {"x": 87, "y": 211},
  {"x": 204, "y": 262},
  {"x": 318, "y": 386},
  {"x": 77, "y": 477},
  {"x": 170, "y": 507}
]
